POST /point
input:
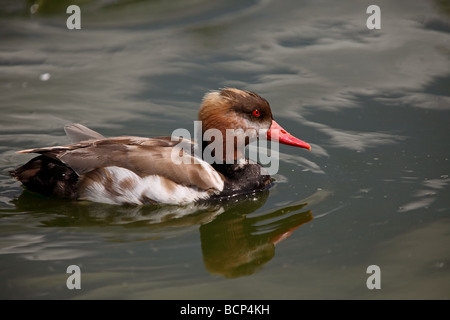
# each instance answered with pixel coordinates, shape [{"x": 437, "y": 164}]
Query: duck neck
[{"x": 222, "y": 149}]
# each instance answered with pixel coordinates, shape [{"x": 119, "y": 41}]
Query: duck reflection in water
[
  {"x": 235, "y": 240},
  {"x": 238, "y": 244}
]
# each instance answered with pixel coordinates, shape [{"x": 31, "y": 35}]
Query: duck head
[{"x": 241, "y": 117}]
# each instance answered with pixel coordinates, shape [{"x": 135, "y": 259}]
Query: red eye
[{"x": 256, "y": 113}]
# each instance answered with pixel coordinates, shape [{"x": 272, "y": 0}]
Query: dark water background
[{"x": 374, "y": 190}]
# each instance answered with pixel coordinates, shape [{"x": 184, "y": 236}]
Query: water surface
[{"x": 374, "y": 190}]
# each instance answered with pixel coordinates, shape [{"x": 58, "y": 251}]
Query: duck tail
[{"x": 48, "y": 176}]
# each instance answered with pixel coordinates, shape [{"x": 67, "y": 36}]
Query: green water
[{"x": 373, "y": 104}]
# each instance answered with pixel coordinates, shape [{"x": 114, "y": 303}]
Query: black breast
[{"x": 242, "y": 178}]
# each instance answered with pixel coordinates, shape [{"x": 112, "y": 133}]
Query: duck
[{"x": 140, "y": 170}]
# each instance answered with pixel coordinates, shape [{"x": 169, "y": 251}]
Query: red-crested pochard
[{"x": 135, "y": 170}]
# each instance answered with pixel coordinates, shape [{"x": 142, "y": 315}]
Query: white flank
[{"x": 126, "y": 187}]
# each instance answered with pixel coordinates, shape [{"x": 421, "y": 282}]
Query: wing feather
[
  {"x": 144, "y": 156},
  {"x": 77, "y": 132}
]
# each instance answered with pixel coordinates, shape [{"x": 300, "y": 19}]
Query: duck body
[{"x": 137, "y": 170}]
